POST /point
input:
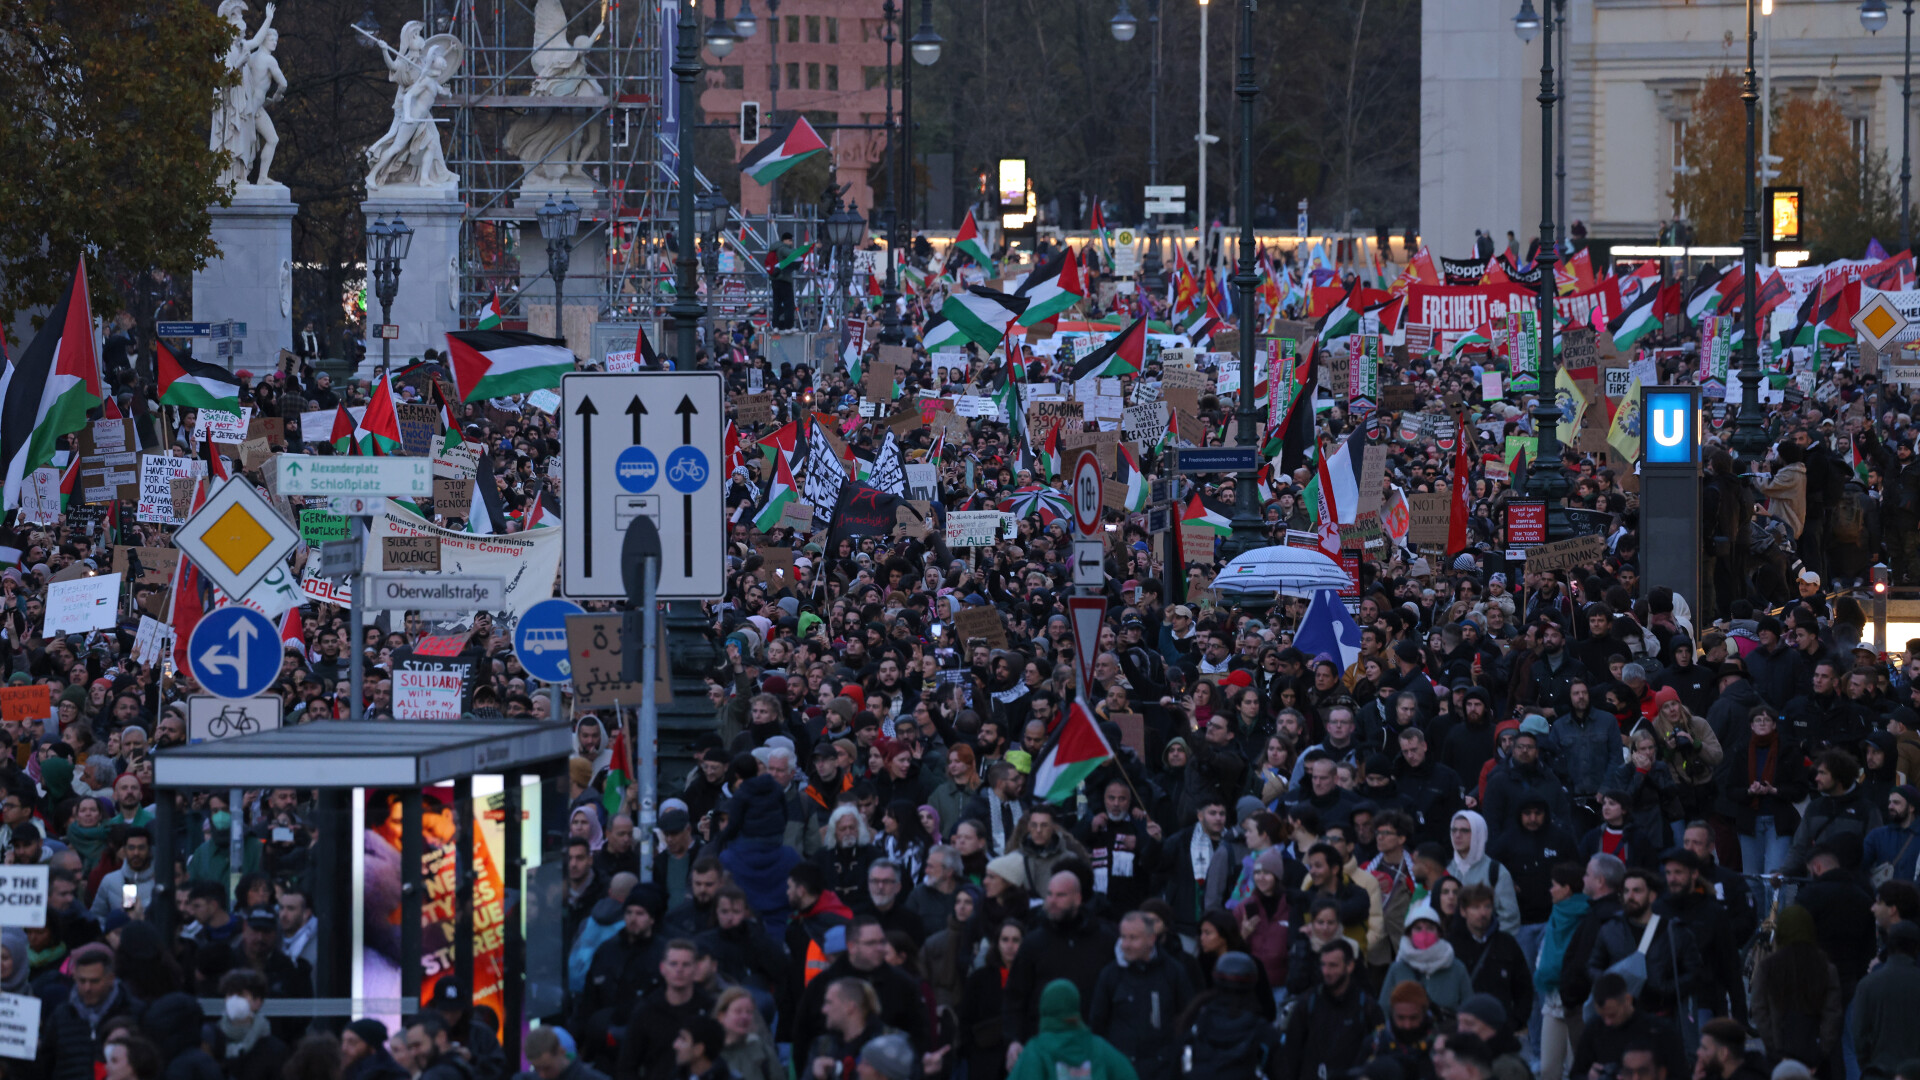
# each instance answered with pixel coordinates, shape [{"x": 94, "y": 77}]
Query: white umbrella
[{"x": 1280, "y": 570}]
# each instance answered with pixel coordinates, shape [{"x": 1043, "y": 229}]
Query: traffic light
[
  {"x": 1882, "y": 577},
  {"x": 749, "y": 123}
]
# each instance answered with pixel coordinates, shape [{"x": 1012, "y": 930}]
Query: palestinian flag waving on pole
[
  {"x": 1340, "y": 322},
  {"x": 1097, "y": 224},
  {"x": 983, "y": 315},
  {"x": 1052, "y": 289},
  {"x": 490, "y": 313},
  {"x": 1074, "y": 750},
  {"x": 47, "y": 394},
  {"x": 1198, "y": 515},
  {"x": 1048, "y": 459},
  {"x": 342, "y": 436},
  {"x": 794, "y": 256},
  {"x": 1480, "y": 337},
  {"x": 379, "y": 427},
  {"x": 1128, "y": 468},
  {"x": 967, "y": 242},
  {"x": 1639, "y": 320},
  {"x": 790, "y": 146},
  {"x": 1126, "y": 354},
  {"x": 1857, "y": 459},
  {"x": 784, "y": 491},
  {"x": 614, "y": 789},
  {"x": 194, "y": 385},
  {"x": 501, "y": 363}
]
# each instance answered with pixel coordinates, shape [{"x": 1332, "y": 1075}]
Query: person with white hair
[{"x": 847, "y": 854}]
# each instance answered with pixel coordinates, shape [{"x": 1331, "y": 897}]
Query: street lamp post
[
  {"x": 558, "y": 222},
  {"x": 1247, "y": 526},
  {"x": 1548, "y": 479},
  {"x": 685, "y": 311},
  {"x": 890, "y": 330},
  {"x": 844, "y": 228},
  {"x": 1873, "y": 16},
  {"x": 1124, "y": 26},
  {"x": 389, "y": 243},
  {"x": 1748, "y": 436},
  {"x": 709, "y": 219}
]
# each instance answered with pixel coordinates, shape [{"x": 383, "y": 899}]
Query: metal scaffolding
[{"x": 626, "y": 145}]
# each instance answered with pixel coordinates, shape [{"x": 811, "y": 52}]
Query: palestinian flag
[
  {"x": 502, "y": 363},
  {"x": 48, "y": 393},
  {"x": 1052, "y": 289},
  {"x": 1637, "y": 321},
  {"x": 1125, "y": 354},
  {"x": 1704, "y": 298},
  {"x": 1857, "y": 460},
  {"x": 293, "y": 632},
  {"x": 1097, "y": 224},
  {"x": 795, "y": 255},
  {"x": 540, "y": 515},
  {"x": 1340, "y": 322},
  {"x": 342, "y": 436},
  {"x": 982, "y": 315},
  {"x": 490, "y": 313},
  {"x": 1048, "y": 459},
  {"x": 791, "y": 145},
  {"x": 783, "y": 492},
  {"x": 194, "y": 385},
  {"x": 69, "y": 483},
  {"x": 1128, "y": 469},
  {"x": 967, "y": 242},
  {"x": 1772, "y": 293},
  {"x": 1074, "y": 750},
  {"x": 613, "y": 790},
  {"x": 1480, "y": 337},
  {"x": 1199, "y": 515},
  {"x": 379, "y": 427}
]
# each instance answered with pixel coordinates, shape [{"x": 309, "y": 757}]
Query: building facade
[{"x": 1631, "y": 69}]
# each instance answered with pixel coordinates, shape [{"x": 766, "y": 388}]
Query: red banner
[{"x": 1453, "y": 310}]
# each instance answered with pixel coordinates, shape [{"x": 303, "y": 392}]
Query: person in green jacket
[
  {"x": 211, "y": 860},
  {"x": 1065, "y": 1047}
]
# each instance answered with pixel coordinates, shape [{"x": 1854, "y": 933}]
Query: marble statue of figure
[
  {"x": 554, "y": 142},
  {"x": 240, "y": 122},
  {"x": 409, "y": 152}
]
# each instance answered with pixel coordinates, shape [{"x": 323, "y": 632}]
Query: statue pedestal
[
  {"x": 428, "y": 302},
  {"x": 582, "y": 294},
  {"x": 251, "y": 280}
]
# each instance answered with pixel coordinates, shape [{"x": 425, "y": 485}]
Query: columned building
[{"x": 1631, "y": 69}]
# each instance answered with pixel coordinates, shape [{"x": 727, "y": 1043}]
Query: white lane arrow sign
[{"x": 214, "y": 659}]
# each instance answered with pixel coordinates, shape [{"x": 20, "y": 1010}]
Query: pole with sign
[
  {"x": 1670, "y": 492},
  {"x": 1087, "y": 607}
]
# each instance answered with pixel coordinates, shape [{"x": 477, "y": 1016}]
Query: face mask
[
  {"x": 1422, "y": 939},
  {"x": 239, "y": 1009},
  {"x": 222, "y": 821}
]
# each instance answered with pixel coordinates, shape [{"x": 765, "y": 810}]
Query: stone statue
[
  {"x": 554, "y": 142},
  {"x": 409, "y": 153},
  {"x": 241, "y": 126}
]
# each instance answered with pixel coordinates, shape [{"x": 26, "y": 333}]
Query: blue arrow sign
[
  {"x": 540, "y": 640},
  {"x": 183, "y": 329},
  {"x": 234, "y": 652}
]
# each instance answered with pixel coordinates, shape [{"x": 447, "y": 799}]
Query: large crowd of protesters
[{"x": 1542, "y": 824}]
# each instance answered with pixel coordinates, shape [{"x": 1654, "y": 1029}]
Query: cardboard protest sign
[
  {"x": 410, "y": 553},
  {"x": 82, "y": 604},
  {"x": 983, "y": 623},
  {"x": 156, "y": 564},
  {"x": 25, "y": 704},
  {"x": 1566, "y": 554}
]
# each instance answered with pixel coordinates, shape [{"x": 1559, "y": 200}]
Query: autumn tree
[
  {"x": 104, "y": 109},
  {"x": 1848, "y": 197}
]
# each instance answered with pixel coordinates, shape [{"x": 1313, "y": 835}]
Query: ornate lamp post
[
  {"x": 1547, "y": 480},
  {"x": 558, "y": 222},
  {"x": 1248, "y": 529},
  {"x": 709, "y": 219},
  {"x": 844, "y": 228},
  {"x": 388, "y": 244}
]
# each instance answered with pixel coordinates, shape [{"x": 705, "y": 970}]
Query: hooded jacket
[
  {"x": 1475, "y": 868},
  {"x": 1511, "y": 786},
  {"x": 1064, "y": 1046},
  {"x": 1136, "y": 1006}
]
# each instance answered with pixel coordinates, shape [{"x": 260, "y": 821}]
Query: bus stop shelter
[{"x": 402, "y": 757}]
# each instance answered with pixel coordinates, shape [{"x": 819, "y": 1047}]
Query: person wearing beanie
[
  {"x": 1064, "y": 1044},
  {"x": 627, "y": 964},
  {"x": 551, "y": 1053},
  {"x": 1427, "y": 959},
  {"x": 363, "y": 1050}
]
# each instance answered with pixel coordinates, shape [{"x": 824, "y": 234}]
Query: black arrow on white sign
[
  {"x": 586, "y": 412},
  {"x": 636, "y": 409},
  {"x": 687, "y": 411}
]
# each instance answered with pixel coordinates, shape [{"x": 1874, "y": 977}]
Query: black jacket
[
  {"x": 1431, "y": 793},
  {"x": 1326, "y": 1033},
  {"x": 1075, "y": 949},
  {"x": 1511, "y": 786},
  {"x": 646, "y": 1051},
  {"x": 1720, "y": 975},
  {"x": 622, "y": 970},
  {"x": 901, "y": 1006},
  {"x": 1497, "y": 966},
  {"x": 748, "y": 954},
  {"x": 1529, "y": 856},
  {"x": 1136, "y": 1007},
  {"x": 1843, "y": 915},
  {"x": 1672, "y": 960},
  {"x": 1576, "y": 986},
  {"x": 70, "y": 1045},
  {"x": 1600, "y": 1044}
]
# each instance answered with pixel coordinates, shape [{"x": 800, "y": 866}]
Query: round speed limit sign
[{"x": 1087, "y": 491}]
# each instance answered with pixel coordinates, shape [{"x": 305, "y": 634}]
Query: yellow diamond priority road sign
[
  {"x": 1879, "y": 321},
  {"x": 236, "y": 537}
]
